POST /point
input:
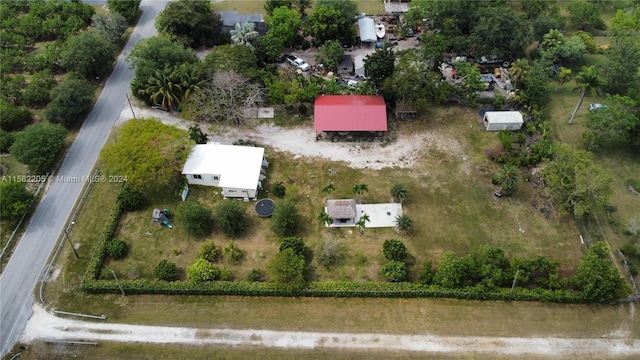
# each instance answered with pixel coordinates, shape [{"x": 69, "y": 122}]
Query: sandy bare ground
[
  {"x": 301, "y": 142},
  {"x": 45, "y": 326}
]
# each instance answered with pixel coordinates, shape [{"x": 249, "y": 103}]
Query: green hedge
[{"x": 94, "y": 268}]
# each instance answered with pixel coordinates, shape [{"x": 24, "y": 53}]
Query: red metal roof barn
[{"x": 350, "y": 113}]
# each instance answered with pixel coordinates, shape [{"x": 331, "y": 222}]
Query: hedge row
[
  {"x": 325, "y": 289},
  {"x": 94, "y": 268}
]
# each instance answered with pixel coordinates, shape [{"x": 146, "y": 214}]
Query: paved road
[{"x": 30, "y": 256}]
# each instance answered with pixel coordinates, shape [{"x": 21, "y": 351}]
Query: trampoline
[{"x": 265, "y": 207}]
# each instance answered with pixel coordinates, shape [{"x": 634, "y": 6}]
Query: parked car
[
  {"x": 297, "y": 62},
  {"x": 596, "y": 106}
]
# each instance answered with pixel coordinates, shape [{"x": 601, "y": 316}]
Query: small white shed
[
  {"x": 236, "y": 169},
  {"x": 502, "y": 120}
]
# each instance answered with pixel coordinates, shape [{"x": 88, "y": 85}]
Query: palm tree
[
  {"x": 244, "y": 33},
  {"x": 519, "y": 70},
  {"x": 328, "y": 188},
  {"x": 399, "y": 192},
  {"x": 332, "y": 87},
  {"x": 562, "y": 76},
  {"x": 325, "y": 218},
  {"x": 302, "y": 5},
  {"x": 508, "y": 176},
  {"x": 191, "y": 80},
  {"x": 404, "y": 224},
  {"x": 359, "y": 189},
  {"x": 588, "y": 81},
  {"x": 164, "y": 88},
  {"x": 362, "y": 222}
]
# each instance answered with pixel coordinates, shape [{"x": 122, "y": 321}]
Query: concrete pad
[
  {"x": 265, "y": 113},
  {"x": 380, "y": 215}
]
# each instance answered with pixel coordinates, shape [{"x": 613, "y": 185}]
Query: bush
[
  {"x": 6, "y": 140},
  {"x": 38, "y": 146},
  {"x": 71, "y": 102},
  {"x": 129, "y": 199},
  {"x": 13, "y": 117},
  {"x": 38, "y": 91},
  {"x": 195, "y": 217},
  {"x": 226, "y": 275},
  {"x": 285, "y": 219},
  {"x": 294, "y": 243},
  {"x": 279, "y": 189},
  {"x": 202, "y": 270},
  {"x": 426, "y": 276},
  {"x": 210, "y": 252},
  {"x": 232, "y": 252},
  {"x": 394, "y": 250},
  {"x": 166, "y": 270},
  {"x": 255, "y": 275},
  {"x": 331, "y": 252},
  {"x": 287, "y": 269},
  {"x": 14, "y": 199},
  {"x": 395, "y": 271},
  {"x": 231, "y": 218},
  {"x": 117, "y": 249}
]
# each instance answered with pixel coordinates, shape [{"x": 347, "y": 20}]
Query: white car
[
  {"x": 593, "y": 107},
  {"x": 297, "y": 62}
]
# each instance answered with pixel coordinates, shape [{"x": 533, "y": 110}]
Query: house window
[
  {"x": 197, "y": 177},
  {"x": 216, "y": 178}
]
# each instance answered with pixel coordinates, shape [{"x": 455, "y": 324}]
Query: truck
[{"x": 297, "y": 62}]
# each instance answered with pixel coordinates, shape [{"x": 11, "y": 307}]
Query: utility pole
[
  {"x": 70, "y": 243},
  {"x": 117, "y": 281},
  {"x": 515, "y": 278},
  {"x": 130, "y": 106}
]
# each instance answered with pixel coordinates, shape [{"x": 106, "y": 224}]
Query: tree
[
  {"x": 169, "y": 87},
  {"x": 399, "y": 192},
  {"x": 241, "y": 59},
  {"x": 359, "y": 189},
  {"x": 623, "y": 55},
  {"x": 585, "y": 15},
  {"x": 38, "y": 91},
  {"x": 380, "y": 65},
  {"x": 558, "y": 48},
  {"x": 195, "y": 217},
  {"x": 598, "y": 278},
  {"x": 150, "y": 154},
  {"x": 202, "y": 271},
  {"x": 223, "y": 98},
  {"x": 6, "y": 140},
  {"x": 588, "y": 81},
  {"x": 543, "y": 24},
  {"x": 15, "y": 199},
  {"x": 404, "y": 224},
  {"x": 231, "y": 218},
  {"x": 71, "y": 102},
  {"x": 233, "y": 252},
  {"x": 285, "y": 24},
  {"x": 287, "y": 269},
  {"x": 285, "y": 219},
  {"x": 494, "y": 32},
  {"x": 507, "y": 177},
  {"x": 628, "y": 20},
  {"x": 111, "y": 26},
  {"x": 38, "y": 146},
  {"x": 294, "y": 243},
  {"x": 244, "y": 33},
  {"x": 127, "y": 8},
  {"x": 575, "y": 183},
  {"x": 269, "y": 48},
  {"x": 467, "y": 91},
  {"x": 196, "y": 134},
  {"x": 453, "y": 272},
  {"x": 332, "y": 20},
  {"x": 331, "y": 252},
  {"x": 394, "y": 250},
  {"x": 535, "y": 8},
  {"x": 270, "y": 6},
  {"x": 13, "y": 117},
  {"x": 395, "y": 271},
  {"x": 166, "y": 271},
  {"x": 617, "y": 121},
  {"x": 88, "y": 54},
  {"x": 330, "y": 54},
  {"x": 152, "y": 54},
  {"x": 190, "y": 23},
  {"x": 302, "y": 6},
  {"x": 362, "y": 222}
]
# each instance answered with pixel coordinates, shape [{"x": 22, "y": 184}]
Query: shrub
[
  {"x": 117, "y": 249},
  {"x": 71, "y": 102},
  {"x": 232, "y": 252},
  {"x": 255, "y": 275},
  {"x": 285, "y": 219},
  {"x": 210, "y": 252},
  {"x": 6, "y": 140},
  {"x": 426, "y": 276},
  {"x": 395, "y": 271},
  {"x": 13, "y": 117},
  {"x": 38, "y": 146},
  {"x": 331, "y": 252},
  {"x": 166, "y": 270},
  {"x": 279, "y": 189},
  {"x": 231, "y": 218},
  {"x": 225, "y": 274},
  {"x": 195, "y": 217},
  {"x": 129, "y": 199},
  {"x": 294, "y": 243},
  {"x": 394, "y": 250},
  {"x": 15, "y": 199},
  {"x": 287, "y": 269},
  {"x": 202, "y": 270}
]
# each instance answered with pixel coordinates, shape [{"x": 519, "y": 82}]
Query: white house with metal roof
[{"x": 235, "y": 169}]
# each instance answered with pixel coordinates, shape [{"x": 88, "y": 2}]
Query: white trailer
[{"x": 502, "y": 120}]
